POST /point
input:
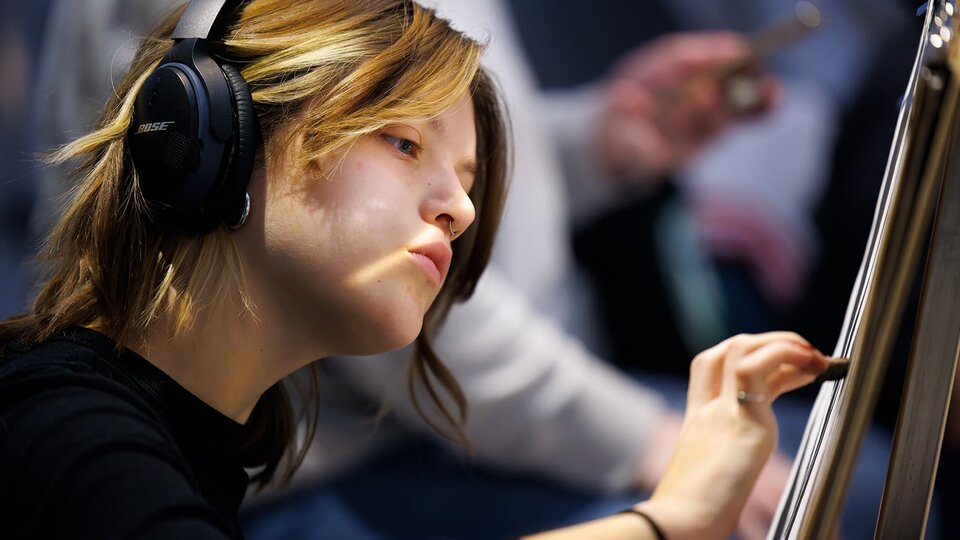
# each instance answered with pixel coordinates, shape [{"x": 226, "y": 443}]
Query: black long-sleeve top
[{"x": 98, "y": 443}]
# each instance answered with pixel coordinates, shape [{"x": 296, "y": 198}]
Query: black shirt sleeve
[{"x": 82, "y": 457}]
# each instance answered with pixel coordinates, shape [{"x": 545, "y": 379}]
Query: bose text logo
[{"x": 156, "y": 126}]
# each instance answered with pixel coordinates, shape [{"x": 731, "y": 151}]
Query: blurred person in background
[
  {"x": 766, "y": 227},
  {"x": 733, "y": 228}
]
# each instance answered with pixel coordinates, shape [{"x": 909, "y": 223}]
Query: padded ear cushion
[{"x": 244, "y": 148}]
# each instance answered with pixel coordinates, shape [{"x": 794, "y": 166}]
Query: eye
[{"x": 404, "y": 146}]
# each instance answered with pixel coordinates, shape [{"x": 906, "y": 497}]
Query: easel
[{"x": 919, "y": 201}]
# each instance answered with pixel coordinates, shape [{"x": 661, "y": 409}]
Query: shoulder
[
  {"x": 59, "y": 390},
  {"x": 78, "y": 444},
  {"x": 71, "y": 386}
]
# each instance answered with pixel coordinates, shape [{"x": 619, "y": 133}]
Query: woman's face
[{"x": 349, "y": 261}]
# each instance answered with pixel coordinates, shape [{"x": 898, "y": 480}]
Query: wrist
[
  {"x": 662, "y": 518},
  {"x": 648, "y": 520},
  {"x": 676, "y": 521}
]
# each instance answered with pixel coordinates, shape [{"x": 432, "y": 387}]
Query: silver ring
[
  {"x": 744, "y": 398},
  {"x": 450, "y": 226},
  {"x": 246, "y": 212}
]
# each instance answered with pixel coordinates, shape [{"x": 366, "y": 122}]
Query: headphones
[{"x": 194, "y": 131}]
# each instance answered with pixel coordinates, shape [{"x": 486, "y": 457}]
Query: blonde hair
[{"x": 354, "y": 66}]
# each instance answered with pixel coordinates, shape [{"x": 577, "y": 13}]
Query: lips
[{"x": 434, "y": 259}]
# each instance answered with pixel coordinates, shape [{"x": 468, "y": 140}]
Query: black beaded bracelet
[{"x": 653, "y": 524}]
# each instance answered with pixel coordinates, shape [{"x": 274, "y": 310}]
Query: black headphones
[{"x": 194, "y": 130}]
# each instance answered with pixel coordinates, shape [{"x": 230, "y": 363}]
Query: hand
[
  {"x": 762, "y": 504},
  {"x": 724, "y": 443},
  {"x": 666, "y": 100}
]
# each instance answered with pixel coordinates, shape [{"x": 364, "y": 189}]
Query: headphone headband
[
  {"x": 194, "y": 129},
  {"x": 203, "y": 18}
]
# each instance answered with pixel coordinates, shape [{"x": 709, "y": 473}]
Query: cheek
[
  {"x": 370, "y": 205},
  {"x": 336, "y": 256},
  {"x": 346, "y": 218}
]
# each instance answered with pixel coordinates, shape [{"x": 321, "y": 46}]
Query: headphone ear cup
[{"x": 244, "y": 147}]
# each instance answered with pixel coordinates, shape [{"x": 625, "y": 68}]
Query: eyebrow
[{"x": 439, "y": 126}]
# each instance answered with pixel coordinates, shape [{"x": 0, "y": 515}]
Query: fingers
[
  {"x": 789, "y": 378},
  {"x": 792, "y": 364},
  {"x": 688, "y": 68},
  {"x": 771, "y": 92},
  {"x": 682, "y": 55},
  {"x": 675, "y": 92},
  {"x": 762, "y": 365},
  {"x": 706, "y": 376}
]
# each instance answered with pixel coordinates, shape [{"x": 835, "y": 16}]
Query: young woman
[{"x": 150, "y": 370}]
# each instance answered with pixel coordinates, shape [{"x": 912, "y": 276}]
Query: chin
[
  {"x": 389, "y": 335},
  {"x": 403, "y": 336}
]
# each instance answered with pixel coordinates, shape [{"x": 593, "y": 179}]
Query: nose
[{"x": 449, "y": 206}]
